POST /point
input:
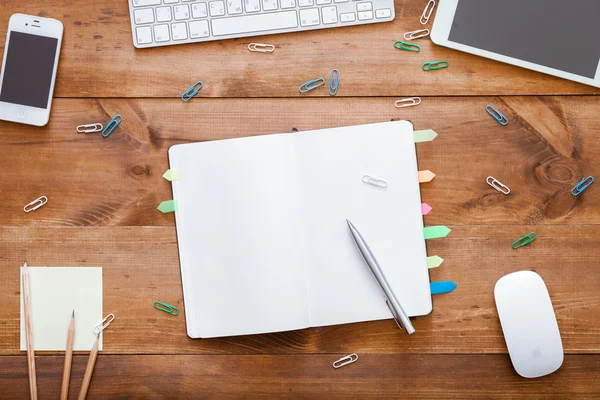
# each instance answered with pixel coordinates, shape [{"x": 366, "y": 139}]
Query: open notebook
[{"x": 263, "y": 241}]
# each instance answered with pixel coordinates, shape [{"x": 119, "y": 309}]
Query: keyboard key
[
  {"x": 144, "y": 3},
  {"x": 368, "y": 6},
  {"x": 269, "y": 5},
  {"x": 329, "y": 15},
  {"x": 255, "y": 23},
  {"x": 252, "y": 6},
  {"x": 341, "y": 1},
  {"x": 288, "y": 3},
  {"x": 179, "y": 31},
  {"x": 161, "y": 33},
  {"x": 365, "y": 15},
  {"x": 199, "y": 10},
  {"x": 143, "y": 34},
  {"x": 199, "y": 29},
  {"x": 171, "y": 1},
  {"x": 187, "y": 1},
  {"x": 181, "y": 12},
  {"x": 309, "y": 17},
  {"x": 323, "y": 2},
  {"x": 163, "y": 14},
  {"x": 216, "y": 8},
  {"x": 144, "y": 16},
  {"x": 383, "y": 13},
  {"x": 305, "y": 3},
  {"x": 348, "y": 17},
  {"x": 234, "y": 7}
]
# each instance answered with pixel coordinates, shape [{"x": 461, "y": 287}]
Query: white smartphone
[
  {"x": 556, "y": 37},
  {"x": 29, "y": 69}
]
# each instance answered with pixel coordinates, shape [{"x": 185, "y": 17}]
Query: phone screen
[{"x": 28, "y": 69}]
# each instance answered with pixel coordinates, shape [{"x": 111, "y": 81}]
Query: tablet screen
[{"x": 554, "y": 33}]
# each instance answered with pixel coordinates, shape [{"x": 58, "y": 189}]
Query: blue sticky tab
[{"x": 442, "y": 287}]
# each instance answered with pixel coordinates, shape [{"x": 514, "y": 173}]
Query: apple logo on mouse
[{"x": 537, "y": 352}]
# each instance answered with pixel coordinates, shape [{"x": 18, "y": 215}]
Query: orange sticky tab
[{"x": 426, "y": 176}]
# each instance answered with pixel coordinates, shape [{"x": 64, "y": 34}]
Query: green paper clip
[
  {"x": 435, "y": 65},
  {"x": 169, "y": 309},
  {"x": 522, "y": 241},
  {"x": 400, "y": 45}
]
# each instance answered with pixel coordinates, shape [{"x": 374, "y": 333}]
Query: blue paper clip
[
  {"x": 306, "y": 87},
  {"x": 581, "y": 186},
  {"x": 191, "y": 92},
  {"x": 334, "y": 82},
  {"x": 112, "y": 124},
  {"x": 497, "y": 115}
]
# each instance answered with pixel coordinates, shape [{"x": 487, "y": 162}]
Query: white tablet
[{"x": 555, "y": 37}]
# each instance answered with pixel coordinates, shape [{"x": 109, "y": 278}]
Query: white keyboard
[{"x": 166, "y": 22}]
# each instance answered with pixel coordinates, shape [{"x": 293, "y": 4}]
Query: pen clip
[{"x": 396, "y": 318}]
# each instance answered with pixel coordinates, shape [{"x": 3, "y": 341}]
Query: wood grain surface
[{"x": 103, "y": 195}]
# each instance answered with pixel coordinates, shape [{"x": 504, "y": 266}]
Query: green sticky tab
[
  {"x": 172, "y": 174},
  {"x": 434, "y": 261},
  {"x": 167, "y": 206},
  {"x": 424, "y": 136},
  {"x": 434, "y": 232}
]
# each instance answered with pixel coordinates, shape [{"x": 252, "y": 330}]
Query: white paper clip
[
  {"x": 496, "y": 184},
  {"x": 419, "y": 33},
  {"x": 261, "y": 47},
  {"x": 427, "y": 12},
  {"x": 34, "y": 205},
  {"x": 408, "y": 102},
  {"x": 374, "y": 181},
  {"x": 104, "y": 323},
  {"x": 89, "y": 128},
  {"x": 349, "y": 359}
]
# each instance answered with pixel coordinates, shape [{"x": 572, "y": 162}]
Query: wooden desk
[{"x": 103, "y": 195}]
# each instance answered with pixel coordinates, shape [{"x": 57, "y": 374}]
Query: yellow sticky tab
[
  {"x": 424, "y": 136},
  {"x": 172, "y": 174},
  {"x": 426, "y": 176},
  {"x": 434, "y": 261}
]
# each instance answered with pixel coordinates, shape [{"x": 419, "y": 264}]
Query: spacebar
[{"x": 254, "y": 23}]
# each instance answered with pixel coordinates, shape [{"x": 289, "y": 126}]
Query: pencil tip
[{"x": 73, "y": 315}]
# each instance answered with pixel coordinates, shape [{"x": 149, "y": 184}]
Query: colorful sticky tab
[
  {"x": 434, "y": 261},
  {"x": 424, "y": 136},
  {"x": 434, "y": 232},
  {"x": 442, "y": 287},
  {"x": 426, "y": 176},
  {"x": 167, "y": 206},
  {"x": 425, "y": 208},
  {"x": 172, "y": 174}
]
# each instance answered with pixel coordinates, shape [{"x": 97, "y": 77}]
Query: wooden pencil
[
  {"x": 89, "y": 370},
  {"x": 29, "y": 333},
  {"x": 64, "y": 392}
]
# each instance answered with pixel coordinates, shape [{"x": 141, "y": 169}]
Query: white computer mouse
[{"x": 529, "y": 324}]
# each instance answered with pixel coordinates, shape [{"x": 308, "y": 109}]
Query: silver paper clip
[
  {"x": 420, "y": 33},
  {"x": 34, "y": 205},
  {"x": 496, "y": 184},
  {"x": 427, "y": 12},
  {"x": 311, "y": 85},
  {"x": 89, "y": 128},
  {"x": 374, "y": 181},
  {"x": 409, "y": 102},
  {"x": 104, "y": 323},
  {"x": 334, "y": 82},
  {"x": 349, "y": 359},
  {"x": 261, "y": 47}
]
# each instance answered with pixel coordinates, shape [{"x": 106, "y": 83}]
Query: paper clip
[
  {"x": 349, "y": 359},
  {"x": 306, "y": 87},
  {"x": 334, "y": 82},
  {"x": 426, "y": 15},
  {"x": 261, "y": 47},
  {"x": 497, "y": 115},
  {"x": 408, "y": 102},
  {"x": 110, "y": 127},
  {"x": 435, "y": 65},
  {"x": 169, "y": 309},
  {"x": 104, "y": 323},
  {"x": 520, "y": 242},
  {"x": 191, "y": 92},
  {"x": 496, "y": 184},
  {"x": 374, "y": 181},
  {"x": 419, "y": 33},
  {"x": 581, "y": 186},
  {"x": 89, "y": 128},
  {"x": 400, "y": 45},
  {"x": 37, "y": 203}
]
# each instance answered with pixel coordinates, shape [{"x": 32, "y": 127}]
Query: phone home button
[{"x": 21, "y": 114}]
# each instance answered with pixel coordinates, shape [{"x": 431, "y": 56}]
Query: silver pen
[{"x": 398, "y": 312}]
